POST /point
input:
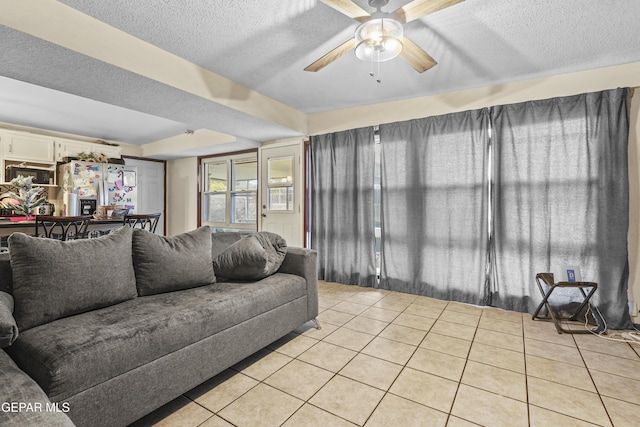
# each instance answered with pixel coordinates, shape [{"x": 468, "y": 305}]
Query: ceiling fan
[{"x": 380, "y": 35}]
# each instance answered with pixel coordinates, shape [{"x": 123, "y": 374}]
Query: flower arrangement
[
  {"x": 28, "y": 197},
  {"x": 93, "y": 157}
]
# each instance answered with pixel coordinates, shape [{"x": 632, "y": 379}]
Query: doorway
[
  {"x": 282, "y": 192},
  {"x": 151, "y": 188}
]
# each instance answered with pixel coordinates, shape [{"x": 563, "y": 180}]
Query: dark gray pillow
[
  {"x": 253, "y": 257},
  {"x": 54, "y": 279},
  {"x": 221, "y": 241},
  {"x": 8, "y": 327},
  {"x": 165, "y": 264},
  {"x": 6, "y": 282}
]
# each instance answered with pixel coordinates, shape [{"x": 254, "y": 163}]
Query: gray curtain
[
  {"x": 342, "y": 220},
  {"x": 434, "y": 206},
  {"x": 561, "y": 197}
]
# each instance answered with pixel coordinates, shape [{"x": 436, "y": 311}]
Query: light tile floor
[{"x": 391, "y": 359}]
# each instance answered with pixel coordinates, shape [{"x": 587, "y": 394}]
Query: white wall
[
  {"x": 627, "y": 75},
  {"x": 182, "y": 195}
]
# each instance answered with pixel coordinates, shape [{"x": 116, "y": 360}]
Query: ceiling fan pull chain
[
  {"x": 371, "y": 73},
  {"x": 379, "y": 79}
]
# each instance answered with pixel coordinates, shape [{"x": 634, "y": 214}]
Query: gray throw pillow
[
  {"x": 54, "y": 279},
  {"x": 8, "y": 327},
  {"x": 165, "y": 264},
  {"x": 253, "y": 257},
  {"x": 6, "y": 282},
  {"x": 221, "y": 241}
]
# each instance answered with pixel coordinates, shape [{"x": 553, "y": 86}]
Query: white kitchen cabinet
[
  {"x": 34, "y": 151},
  {"x": 27, "y": 147},
  {"x": 69, "y": 148}
]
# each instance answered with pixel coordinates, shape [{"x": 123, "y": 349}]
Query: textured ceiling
[
  {"x": 24, "y": 106},
  {"x": 264, "y": 45}
]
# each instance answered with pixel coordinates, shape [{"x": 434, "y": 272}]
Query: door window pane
[
  {"x": 281, "y": 171},
  {"x": 281, "y": 198},
  {"x": 280, "y": 184}
]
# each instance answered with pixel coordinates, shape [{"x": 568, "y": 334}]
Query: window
[
  {"x": 230, "y": 191},
  {"x": 280, "y": 184}
]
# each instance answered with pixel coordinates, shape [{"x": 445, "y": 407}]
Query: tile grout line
[
  {"x": 386, "y": 392},
  {"x": 443, "y": 309},
  {"x": 466, "y": 361},
  {"x": 577, "y": 346},
  {"x": 335, "y": 374},
  {"x": 592, "y": 380},
  {"x": 523, "y": 335},
  {"x": 413, "y": 353},
  {"x": 526, "y": 374},
  {"x": 404, "y": 366}
]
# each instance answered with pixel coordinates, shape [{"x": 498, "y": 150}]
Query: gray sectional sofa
[{"x": 101, "y": 332}]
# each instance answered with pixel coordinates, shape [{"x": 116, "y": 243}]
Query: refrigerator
[{"x": 88, "y": 185}]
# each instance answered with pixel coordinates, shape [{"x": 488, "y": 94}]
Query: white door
[
  {"x": 150, "y": 186},
  {"x": 281, "y": 192}
]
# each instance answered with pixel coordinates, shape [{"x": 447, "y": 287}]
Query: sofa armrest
[
  {"x": 22, "y": 401},
  {"x": 8, "y": 327},
  {"x": 304, "y": 262}
]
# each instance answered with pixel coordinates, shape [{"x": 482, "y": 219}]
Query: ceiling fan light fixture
[{"x": 379, "y": 40}]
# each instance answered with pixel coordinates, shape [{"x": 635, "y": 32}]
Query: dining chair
[
  {"x": 147, "y": 222},
  {"x": 62, "y": 227}
]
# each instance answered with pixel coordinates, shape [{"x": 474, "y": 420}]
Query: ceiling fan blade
[
  {"x": 415, "y": 56},
  {"x": 419, "y": 8},
  {"x": 332, "y": 55},
  {"x": 349, "y": 8}
]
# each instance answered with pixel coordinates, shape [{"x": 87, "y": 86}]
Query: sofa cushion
[
  {"x": 16, "y": 388},
  {"x": 253, "y": 257},
  {"x": 54, "y": 279},
  {"x": 164, "y": 264},
  {"x": 8, "y": 327},
  {"x": 72, "y": 354}
]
